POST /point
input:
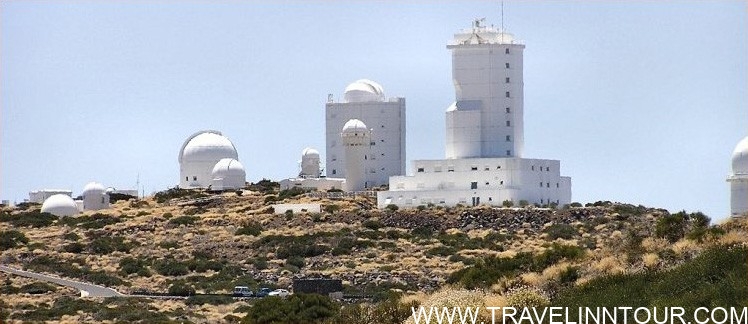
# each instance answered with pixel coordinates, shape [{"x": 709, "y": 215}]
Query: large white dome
[
  {"x": 60, "y": 205},
  {"x": 363, "y": 90},
  {"x": 206, "y": 146},
  {"x": 230, "y": 173},
  {"x": 740, "y": 157},
  {"x": 94, "y": 188}
]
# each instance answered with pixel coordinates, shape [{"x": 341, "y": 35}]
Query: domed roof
[
  {"x": 353, "y": 126},
  {"x": 93, "y": 188},
  {"x": 309, "y": 152},
  {"x": 363, "y": 90},
  {"x": 228, "y": 167},
  {"x": 207, "y": 146},
  {"x": 60, "y": 205},
  {"x": 740, "y": 157}
]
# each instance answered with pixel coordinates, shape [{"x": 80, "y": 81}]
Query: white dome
[
  {"x": 230, "y": 172},
  {"x": 207, "y": 146},
  {"x": 354, "y": 126},
  {"x": 309, "y": 152},
  {"x": 740, "y": 157},
  {"x": 93, "y": 188},
  {"x": 363, "y": 90},
  {"x": 60, "y": 205}
]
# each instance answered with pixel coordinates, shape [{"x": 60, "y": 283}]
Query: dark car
[{"x": 263, "y": 292}]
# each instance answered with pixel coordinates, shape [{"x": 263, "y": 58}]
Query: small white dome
[
  {"x": 93, "y": 188},
  {"x": 740, "y": 157},
  {"x": 230, "y": 172},
  {"x": 363, "y": 91},
  {"x": 309, "y": 152},
  {"x": 354, "y": 126},
  {"x": 206, "y": 146},
  {"x": 60, "y": 205}
]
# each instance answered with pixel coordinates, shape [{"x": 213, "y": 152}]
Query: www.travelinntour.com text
[{"x": 580, "y": 315}]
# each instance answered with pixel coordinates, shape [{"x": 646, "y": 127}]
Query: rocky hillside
[{"x": 190, "y": 241}]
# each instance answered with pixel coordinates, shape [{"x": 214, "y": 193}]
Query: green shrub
[
  {"x": 296, "y": 261},
  {"x": 170, "y": 267},
  {"x": 109, "y": 244},
  {"x": 94, "y": 221},
  {"x": 181, "y": 288},
  {"x": 74, "y": 247},
  {"x": 331, "y": 208},
  {"x": 523, "y": 203},
  {"x": 176, "y": 193},
  {"x": 130, "y": 265},
  {"x": 209, "y": 299},
  {"x": 251, "y": 229},
  {"x": 168, "y": 244},
  {"x": 391, "y": 207},
  {"x": 34, "y": 219},
  {"x": 70, "y": 236},
  {"x": 297, "y": 308},
  {"x": 441, "y": 251},
  {"x": 12, "y": 238},
  {"x": 564, "y": 231},
  {"x": 183, "y": 220},
  {"x": 507, "y": 203},
  {"x": 36, "y": 288},
  {"x": 260, "y": 263},
  {"x": 290, "y": 193},
  {"x": 373, "y": 224}
]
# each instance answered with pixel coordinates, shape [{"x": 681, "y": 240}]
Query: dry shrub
[
  {"x": 650, "y": 260},
  {"x": 608, "y": 265},
  {"x": 654, "y": 244},
  {"x": 525, "y": 296}
]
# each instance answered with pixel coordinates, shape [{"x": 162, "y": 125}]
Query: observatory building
[
  {"x": 209, "y": 159},
  {"x": 365, "y": 101},
  {"x": 484, "y": 135},
  {"x": 95, "y": 197},
  {"x": 310, "y": 176},
  {"x": 60, "y": 205},
  {"x": 739, "y": 180}
]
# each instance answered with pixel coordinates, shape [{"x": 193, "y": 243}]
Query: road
[{"x": 86, "y": 289}]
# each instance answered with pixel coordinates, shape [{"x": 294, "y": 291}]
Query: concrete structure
[
  {"x": 60, "y": 205},
  {"x": 739, "y": 180},
  {"x": 228, "y": 174},
  {"x": 310, "y": 177},
  {"x": 95, "y": 197},
  {"x": 199, "y": 155},
  {"x": 309, "y": 163},
  {"x": 484, "y": 135},
  {"x": 365, "y": 100},
  {"x": 39, "y": 196},
  {"x": 129, "y": 192},
  {"x": 296, "y": 208},
  {"x": 356, "y": 140}
]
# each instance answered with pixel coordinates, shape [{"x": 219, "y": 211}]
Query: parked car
[
  {"x": 279, "y": 293},
  {"x": 242, "y": 291},
  {"x": 263, "y": 292}
]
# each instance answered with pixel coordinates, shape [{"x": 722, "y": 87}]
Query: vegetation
[
  {"x": 297, "y": 308},
  {"x": 11, "y": 239},
  {"x": 251, "y": 229},
  {"x": 183, "y": 220},
  {"x": 94, "y": 221},
  {"x": 564, "y": 231},
  {"x": 33, "y": 219},
  {"x": 176, "y": 193}
]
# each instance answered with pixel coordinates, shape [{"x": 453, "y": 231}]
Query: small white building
[
  {"x": 199, "y": 155},
  {"x": 309, "y": 163},
  {"x": 365, "y": 100},
  {"x": 296, "y": 208},
  {"x": 39, "y": 196},
  {"x": 228, "y": 174},
  {"x": 95, "y": 197},
  {"x": 310, "y": 176},
  {"x": 60, "y": 205},
  {"x": 484, "y": 135},
  {"x": 739, "y": 180},
  {"x": 356, "y": 140}
]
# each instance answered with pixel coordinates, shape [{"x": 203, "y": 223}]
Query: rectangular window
[
  {"x": 508, "y": 153},
  {"x": 502, "y": 182},
  {"x": 508, "y": 138},
  {"x": 507, "y": 80},
  {"x": 506, "y": 51},
  {"x": 474, "y": 185},
  {"x": 420, "y": 169},
  {"x": 548, "y": 185},
  {"x": 475, "y": 168},
  {"x": 532, "y": 168},
  {"x": 556, "y": 184},
  {"x": 508, "y": 110},
  {"x": 507, "y": 65},
  {"x": 547, "y": 169},
  {"x": 508, "y": 123},
  {"x": 194, "y": 178},
  {"x": 507, "y": 94},
  {"x": 186, "y": 178},
  {"x": 333, "y": 171}
]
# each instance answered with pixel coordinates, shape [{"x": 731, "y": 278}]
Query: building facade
[
  {"x": 365, "y": 100},
  {"x": 484, "y": 135},
  {"x": 739, "y": 180}
]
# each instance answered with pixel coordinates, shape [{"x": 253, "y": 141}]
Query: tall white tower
[
  {"x": 486, "y": 119},
  {"x": 309, "y": 163},
  {"x": 739, "y": 179},
  {"x": 95, "y": 197},
  {"x": 356, "y": 140}
]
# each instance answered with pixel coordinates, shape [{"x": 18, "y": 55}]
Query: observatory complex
[
  {"x": 739, "y": 180},
  {"x": 208, "y": 159},
  {"x": 484, "y": 135}
]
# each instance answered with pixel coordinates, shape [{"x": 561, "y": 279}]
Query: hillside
[{"x": 191, "y": 241}]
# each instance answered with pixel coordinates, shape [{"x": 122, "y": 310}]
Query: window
[
  {"x": 502, "y": 182},
  {"x": 556, "y": 184},
  {"x": 506, "y": 80},
  {"x": 508, "y": 110},
  {"x": 541, "y": 185},
  {"x": 508, "y": 153},
  {"x": 508, "y": 138},
  {"x": 507, "y": 94},
  {"x": 450, "y": 169},
  {"x": 475, "y": 168},
  {"x": 506, "y": 51},
  {"x": 532, "y": 168},
  {"x": 508, "y": 123},
  {"x": 194, "y": 178},
  {"x": 548, "y": 185},
  {"x": 186, "y": 178},
  {"x": 333, "y": 171},
  {"x": 547, "y": 169},
  {"x": 498, "y": 167},
  {"x": 474, "y": 185},
  {"x": 420, "y": 169},
  {"x": 487, "y": 183},
  {"x": 102, "y": 200},
  {"x": 541, "y": 200},
  {"x": 507, "y": 65}
]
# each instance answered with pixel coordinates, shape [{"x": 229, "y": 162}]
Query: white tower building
[
  {"x": 486, "y": 119},
  {"x": 60, "y": 205},
  {"x": 739, "y": 180},
  {"x": 95, "y": 197},
  {"x": 199, "y": 154},
  {"x": 484, "y": 135},
  {"x": 365, "y": 100},
  {"x": 228, "y": 174},
  {"x": 309, "y": 163},
  {"x": 356, "y": 140}
]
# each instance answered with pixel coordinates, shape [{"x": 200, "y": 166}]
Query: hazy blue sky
[{"x": 642, "y": 101}]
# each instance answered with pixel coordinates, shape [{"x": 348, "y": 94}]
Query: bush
[
  {"x": 170, "y": 267},
  {"x": 507, "y": 203},
  {"x": 108, "y": 244},
  {"x": 671, "y": 227},
  {"x": 296, "y": 261},
  {"x": 183, "y": 220},
  {"x": 94, "y": 221},
  {"x": 564, "y": 231},
  {"x": 181, "y": 288},
  {"x": 373, "y": 224},
  {"x": 260, "y": 263},
  {"x": 441, "y": 251},
  {"x": 331, "y": 209},
  {"x": 34, "y": 219},
  {"x": 175, "y": 193},
  {"x": 391, "y": 207},
  {"x": 12, "y": 238},
  {"x": 36, "y": 288},
  {"x": 130, "y": 265},
  {"x": 290, "y": 193},
  {"x": 251, "y": 229},
  {"x": 297, "y": 308},
  {"x": 526, "y": 297},
  {"x": 523, "y": 203},
  {"x": 209, "y": 299},
  {"x": 74, "y": 247}
]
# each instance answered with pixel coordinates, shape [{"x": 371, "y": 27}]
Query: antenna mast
[{"x": 502, "y": 21}]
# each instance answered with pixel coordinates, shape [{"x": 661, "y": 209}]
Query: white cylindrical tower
[
  {"x": 95, "y": 197},
  {"x": 487, "y": 75},
  {"x": 309, "y": 163},
  {"x": 356, "y": 139},
  {"x": 739, "y": 180},
  {"x": 60, "y": 205}
]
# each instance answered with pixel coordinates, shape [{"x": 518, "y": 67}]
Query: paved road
[{"x": 86, "y": 289}]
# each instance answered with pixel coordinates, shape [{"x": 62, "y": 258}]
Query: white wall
[
  {"x": 320, "y": 184},
  {"x": 738, "y": 195},
  {"x": 297, "y": 208},
  {"x": 39, "y": 196},
  {"x": 386, "y": 157}
]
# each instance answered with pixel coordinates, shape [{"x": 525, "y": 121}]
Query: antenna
[
  {"x": 502, "y": 21},
  {"x": 137, "y": 182}
]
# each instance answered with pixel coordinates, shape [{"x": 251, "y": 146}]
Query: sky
[{"x": 642, "y": 101}]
